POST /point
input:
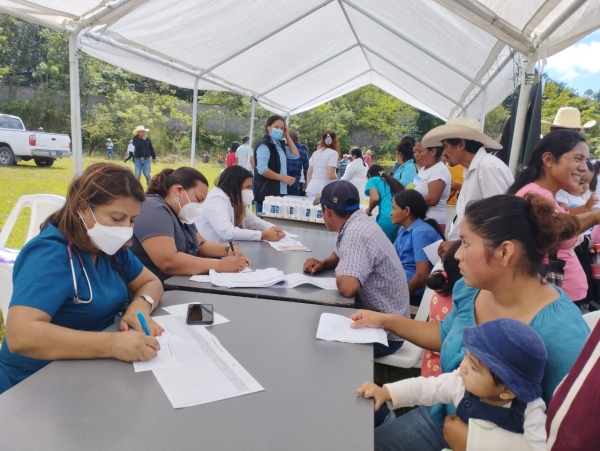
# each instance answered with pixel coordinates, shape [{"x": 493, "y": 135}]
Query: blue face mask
[{"x": 276, "y": 134}]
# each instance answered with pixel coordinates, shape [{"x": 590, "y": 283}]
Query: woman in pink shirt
[{"x": 558, "y": 162}]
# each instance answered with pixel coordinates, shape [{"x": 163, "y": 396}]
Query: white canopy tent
[{"x": 445, "y": 57}]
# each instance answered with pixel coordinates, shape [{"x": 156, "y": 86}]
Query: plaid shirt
[
  {"x": 365, "y": 252},
  {"x": 299, "y": 165}
]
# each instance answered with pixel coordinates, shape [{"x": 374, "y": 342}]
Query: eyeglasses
[{"x": 76, "y": 299}]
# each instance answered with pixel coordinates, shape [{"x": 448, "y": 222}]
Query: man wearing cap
[
  {"x": 297, "y": 167},
  {"x": 342, "y": 166},
  {"x": 243, "y": 155},
  {"x": 568, "y": 117},
  {"x": 365, "y": 261},
  {"x": 485, "y": 175},
  {"x": 143, "y": 153}
]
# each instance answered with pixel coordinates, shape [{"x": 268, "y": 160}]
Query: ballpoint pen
[
  {"x": 140, "y": 316},
  {"x": 231, "y": 246}
]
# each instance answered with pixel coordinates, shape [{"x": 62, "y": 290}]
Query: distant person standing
[
  {"x": 243, "y": 155},
  {"x": 367, "y": 159},
  {"x": 298, "y": 167},
  {"x": 230, "y": 161},
  {"x": 143, "y": 153},
  {"x": 342, "y": 166},
  {"x": 40, "y": 130},
  {"x": 109, "y": 149},
  {"x": 322, "y": 164},
  {"x": 130, "y": 151}
]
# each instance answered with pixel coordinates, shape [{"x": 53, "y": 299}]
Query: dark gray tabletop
[
  {"x": 321, "y": 243},
  {"x": 308, "y": 402}
]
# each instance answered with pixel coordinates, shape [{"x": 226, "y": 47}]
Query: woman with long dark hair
[
  {"x": 165, "y": 237},
  {"x": 227, "y": 215},
  {"x": 356, "y": 171},
  {"x": 409, "y": 211},
  {"x": 558, "y": 162},
  {"x": 504, "y": 240},
  {"x": 381, "y": 189},
  {"x": 405, "y": 170},
  {"x": 271, "y": 154}
]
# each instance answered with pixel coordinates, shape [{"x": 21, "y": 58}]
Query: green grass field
[{"x": 27, "y": 178}]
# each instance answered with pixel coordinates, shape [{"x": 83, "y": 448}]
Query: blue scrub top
[
  {"x": 409, "y": 246},
  {"x": 42, "y": 279},
  {"x": 385, "y": 205}
]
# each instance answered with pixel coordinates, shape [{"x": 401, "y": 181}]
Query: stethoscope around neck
[{"x": 76, "y": 300}]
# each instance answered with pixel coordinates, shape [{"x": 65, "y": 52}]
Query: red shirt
[
  {"x": 230, "y": 159},
  {"x": 439, "y": 307}
]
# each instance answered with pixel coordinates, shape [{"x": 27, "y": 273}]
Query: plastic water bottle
[
  {"x": 595, "y": 265},
  {"x": 319, "y": 214},
  {"x": 267, "y": 206},
  {"x": 307, "y": 210}
]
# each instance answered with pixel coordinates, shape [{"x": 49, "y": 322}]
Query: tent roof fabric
[{"x": 294, "y": 55}]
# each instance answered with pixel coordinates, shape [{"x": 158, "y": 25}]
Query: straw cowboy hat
[
  {"x": 569, "y": 117},
  {"x": 459, "y": 127},
  {"x": 140, "y": 128}
]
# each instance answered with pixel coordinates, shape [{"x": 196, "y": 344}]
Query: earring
[{"x": 176, "y": 200}]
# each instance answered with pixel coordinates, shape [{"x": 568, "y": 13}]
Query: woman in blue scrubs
[{"x": 71, "y": 281}]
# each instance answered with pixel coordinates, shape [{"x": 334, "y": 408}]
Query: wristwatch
[{"x": 149, "y": 300}]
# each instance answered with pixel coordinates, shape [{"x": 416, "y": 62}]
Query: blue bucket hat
[{"x": 513, "y": 351}]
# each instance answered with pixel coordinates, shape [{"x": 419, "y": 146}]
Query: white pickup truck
[{"x": 17, "y": 144}]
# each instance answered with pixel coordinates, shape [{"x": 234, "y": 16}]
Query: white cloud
[{"x": 579, "y": 60}]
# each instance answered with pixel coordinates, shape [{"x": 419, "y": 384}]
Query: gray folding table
[
  {"x": 321, "y": 244},
  {"x": 309, "y": 401}
]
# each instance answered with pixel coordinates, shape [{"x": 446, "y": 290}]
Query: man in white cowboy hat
[
  {"x": 143, "y": 152},
  {"x": 568, "y": 117},
  {"x": 485, "y": 174}
]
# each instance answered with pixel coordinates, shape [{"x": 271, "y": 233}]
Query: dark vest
[
  {"x": 508, "y": 418},
  {"x": 263, "y": 186}
]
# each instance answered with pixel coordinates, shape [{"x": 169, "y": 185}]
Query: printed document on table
[
  {"x": 165, "y": 358},
  {"x": 181, "y": 310},
  {"x": 432, "y": 252},
  {"x": 270, "y": 277},
  {"x": 337, "y": 328},
  {"x": 207, "y": 373},
  {"x": 288, "y": 244}
]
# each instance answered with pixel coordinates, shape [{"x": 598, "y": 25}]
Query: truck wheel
[
  {"x": 7, "y": 158},
  {"x": 43, "y": 162}
]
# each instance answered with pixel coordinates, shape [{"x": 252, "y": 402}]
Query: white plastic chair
[
  {"x": 410, "y": 355},
  {"x": 592, "y": 318},
  {"x": 6, "y": 291},
  {"x": 41, "y": 205}
]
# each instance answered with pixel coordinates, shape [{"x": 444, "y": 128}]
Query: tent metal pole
[
  {"x": 414, "y": 42},
  {"x": 418, "y": 79},
  {"x": 252, "y": 114},
  {"x": 561, "y": 19},
  {"x": 526, "y": 85},
  {"x": 287, "y": 120},
  {"x": 76, "y": 142},
  {"x": 483, "y": 106},
  {"x": 351, "y": 25},
  {"x": 265, "y": 37},
  {"x": 194, "y": 123}
]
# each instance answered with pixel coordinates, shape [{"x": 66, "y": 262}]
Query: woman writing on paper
[
  {"x": 71, "y": 280},
  {"x": 227, "y": 216},
  {"x": 165, "y": 237}
]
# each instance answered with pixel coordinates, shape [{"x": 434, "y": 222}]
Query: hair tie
[
  {"x": 380, "y": 173},
  {"x": 444, "y": 275}
]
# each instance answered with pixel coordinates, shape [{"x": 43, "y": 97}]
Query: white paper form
[
  {"x": 337, "y": 328},
  {"x": 207, "y": 373},
  {"x": 296, "y": 279},
  {"x": 432, "y": 252},
  {"x": 288, "y": 244},
  {"x": 165, "y": 358},
  {"x": 270, "y": 277},
  {"x": 290, "y": 235}
]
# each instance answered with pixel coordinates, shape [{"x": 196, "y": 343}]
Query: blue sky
[{"x": 579, "y": 65}]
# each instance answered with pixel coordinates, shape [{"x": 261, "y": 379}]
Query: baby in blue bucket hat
[{"x": 499, "y": 381}]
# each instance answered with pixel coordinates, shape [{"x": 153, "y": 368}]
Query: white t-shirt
[
  {"x": 572, "y": 201},
  {"x": 243, "y": 154},
  {"x": 438, "y": 171},
  {"x": 320, "y": 161},
  {"x": 356, "y": 173}
]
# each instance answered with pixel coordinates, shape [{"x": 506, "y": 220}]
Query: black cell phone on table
[{"x": 200, "y": 314}]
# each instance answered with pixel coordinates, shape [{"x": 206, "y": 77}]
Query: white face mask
[
  {"x": 190, "y": 212},
  {"x": 247, "y": 196},
  {"x": 108, "y": 239}
]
